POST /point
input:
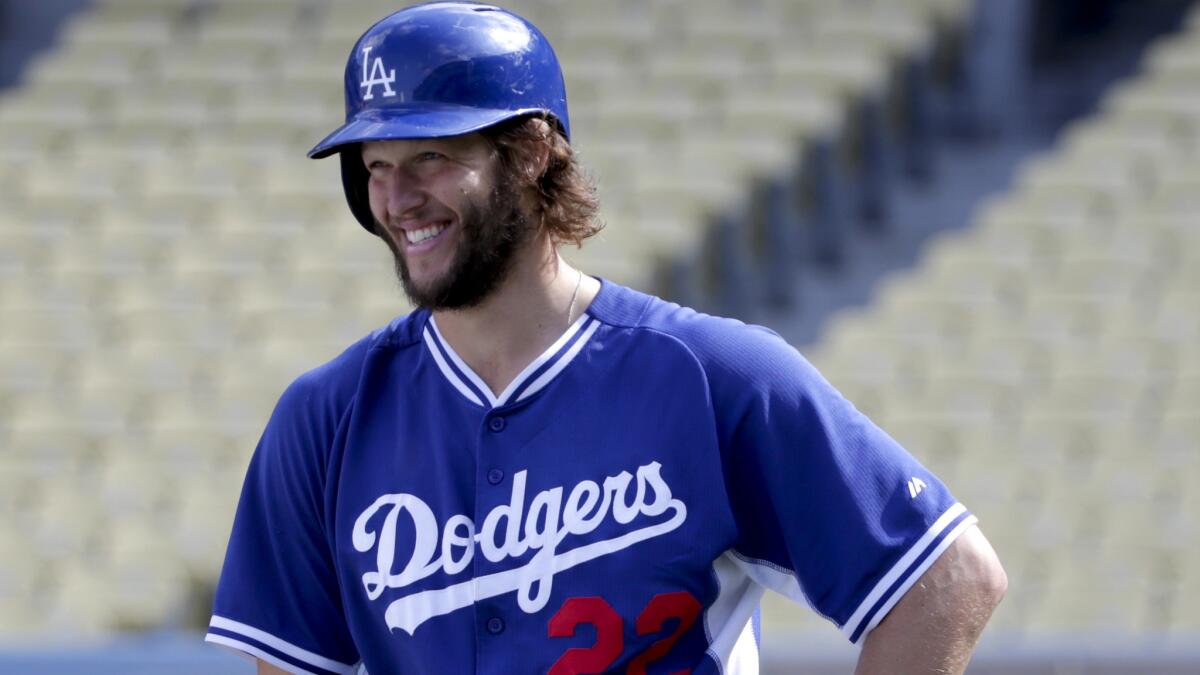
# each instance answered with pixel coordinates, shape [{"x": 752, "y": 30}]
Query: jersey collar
[{"x": 531, "y": 380}]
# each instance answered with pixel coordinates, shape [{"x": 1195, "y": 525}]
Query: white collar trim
[{"x": 434, "y": 339}]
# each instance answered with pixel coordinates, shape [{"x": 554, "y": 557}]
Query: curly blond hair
[{"x": 567, "y": 200}]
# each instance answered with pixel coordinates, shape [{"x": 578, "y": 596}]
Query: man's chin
[{"x": 422, "y": 295}]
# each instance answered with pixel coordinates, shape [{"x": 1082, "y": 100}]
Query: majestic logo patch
[
  {"x": 541, "y": 527},
  {"x": 915, "y": 486},
  {"x": 378, "y": 76}
]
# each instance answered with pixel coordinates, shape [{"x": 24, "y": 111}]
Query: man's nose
[{"x": 406, "y": 196}]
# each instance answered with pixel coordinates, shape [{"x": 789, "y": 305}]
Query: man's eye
[{"x": 429, "y": 155}]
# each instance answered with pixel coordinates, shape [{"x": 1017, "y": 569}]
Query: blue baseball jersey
[{"x": 621, "y": 506}]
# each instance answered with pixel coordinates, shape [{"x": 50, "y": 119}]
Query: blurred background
[{"x": 976, "y": 217}]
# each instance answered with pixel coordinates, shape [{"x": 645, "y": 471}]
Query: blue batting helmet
[{"x": 441, "y": 69}]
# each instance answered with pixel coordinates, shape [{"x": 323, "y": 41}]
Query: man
[{"x": 539, "y": 471}]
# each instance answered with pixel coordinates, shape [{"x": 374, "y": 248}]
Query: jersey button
[
  {"x": 497, "y": 424},
  {"x": 495, "y": 625},
  {"x": 494, "y": 476}
]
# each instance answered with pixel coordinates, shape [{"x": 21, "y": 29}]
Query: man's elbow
[
  {"x": 981, "y": 576},
  {"x": 997, "y": 580},
  {"x": 936, "y": 624}
]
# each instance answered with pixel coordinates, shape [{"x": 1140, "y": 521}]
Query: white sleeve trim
[
  {"x": 245, "y": 649},
  {"x": 901, "y": 567},
  {"x": 269, "y": 640}
]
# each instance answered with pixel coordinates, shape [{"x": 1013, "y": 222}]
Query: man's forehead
[{"x": 400, "y": 146}]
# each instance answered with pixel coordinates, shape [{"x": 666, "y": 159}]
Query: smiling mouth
[{"x": 425, "y": 233}]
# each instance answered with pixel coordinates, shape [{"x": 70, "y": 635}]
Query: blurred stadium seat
[{"x": 1079, "y": 358}]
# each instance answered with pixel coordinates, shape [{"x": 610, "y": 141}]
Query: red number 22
[{"x": 610, "y": 640}]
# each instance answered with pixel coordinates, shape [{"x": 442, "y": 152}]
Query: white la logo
[{"x": 379, "y": 75}]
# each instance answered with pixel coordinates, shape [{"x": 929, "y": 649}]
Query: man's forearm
[
  {"x": 265, "y": 668},
  {"x": 934, "y": 627}
]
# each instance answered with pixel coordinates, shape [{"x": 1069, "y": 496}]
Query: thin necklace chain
[{"x": 571, "y": 307}]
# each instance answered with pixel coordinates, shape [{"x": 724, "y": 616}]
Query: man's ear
[{"x": 536, "y": 151}]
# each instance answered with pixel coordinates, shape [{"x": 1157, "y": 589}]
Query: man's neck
[{"x": 521, "y": 318}]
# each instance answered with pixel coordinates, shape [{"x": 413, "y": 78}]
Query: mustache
[{"x": 422, "y": 214}]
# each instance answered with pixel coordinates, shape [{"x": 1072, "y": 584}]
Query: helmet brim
[{"x": 399, "y": 124}]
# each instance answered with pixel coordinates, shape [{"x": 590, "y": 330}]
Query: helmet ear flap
[{"x": 354, "y": 180}]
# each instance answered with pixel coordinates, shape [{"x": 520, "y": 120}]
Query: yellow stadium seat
[
  {"x": 139, "y": 294},
  {"x": 114, "y": 24},
  {"x": 92, "y": 66},
  {"x": 31, "y": 368},
  {"x": 65, "y": 328},
  {"x": 291, "y": 177},
  {"x": 1071, "y": 603},
  {"x": 1176, "y": 317},
  {"x": 237, "y": 22},
  {"x": 942, "y": 314},
  {"x": 187, "y": 105},
  {"x": 202, "y": 330},
  {"x": 146, "y": 370},
  {"x": 289, "y": 218},
  {"x": 118, "y": 9},
  {"x": 207, "y": 259},
  {"x": 255, "y": 294},
  {"x": 216, "y": 64},
  {"x": 1091, "y": 397},
  {"x": 1133, "y": 359},
  {"x": 1184, "y": 396},
  {"x": 1135, "y": 138},
  {"x": 20, "y": 573},
  {"x": 132, "y": 485},
  {"x": 187, "y": 446},
  {"x": 840, "y": 69},
  {"x": 133, "y": 253},
  {"x": 196, "y": 180},
  {"x": 78, "y": 604},
  {"x": 149, "y": 587},
  {"x": 206, "y": 509},
  {"x": 1186, "y": 362},
  {"x": 1009, "y": 358},
  {"x": 300, "y": 103},
  {"x": 142, "y": 139},
  {"x": 64, "y": 523},
  {"x": 1085, "y": 175},
  {"x": 885, "y": 27},
  {"x": 1057, "y": 317},
  {"x": 346, "y": 251},
  {"x": 52, "y": 180},
  {"x": 348, "y": 20},
  {"x": 321, "y": 66},
  {"x": 262, "y": 373},
  {"x": 943, "y": 444},
  {"x": 609, "y": 260},
  {"x": 1185, "y": 600},
  {"x": 22, "y": 618},
  {"x": 55, "y": 106}
]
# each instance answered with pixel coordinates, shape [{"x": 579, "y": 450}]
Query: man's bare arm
[
  {"x": 265, "y": 668},
  {"x": 934, "y": 627}
]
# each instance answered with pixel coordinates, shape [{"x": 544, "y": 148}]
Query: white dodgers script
[{"x": 509, "y": 531}]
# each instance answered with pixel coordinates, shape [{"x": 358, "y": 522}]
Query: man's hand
[{"x": 934, "y": 627}]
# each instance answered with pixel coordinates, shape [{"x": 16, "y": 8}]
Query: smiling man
[{"x": 540, "y": 471}]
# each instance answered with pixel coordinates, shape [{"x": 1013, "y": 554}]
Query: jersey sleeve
[
  {"x": 830, "y": 510},
  {"x": 277, "y": 599}
]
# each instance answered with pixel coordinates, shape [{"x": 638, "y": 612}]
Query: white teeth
[{"x": 418, "y": 236}]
